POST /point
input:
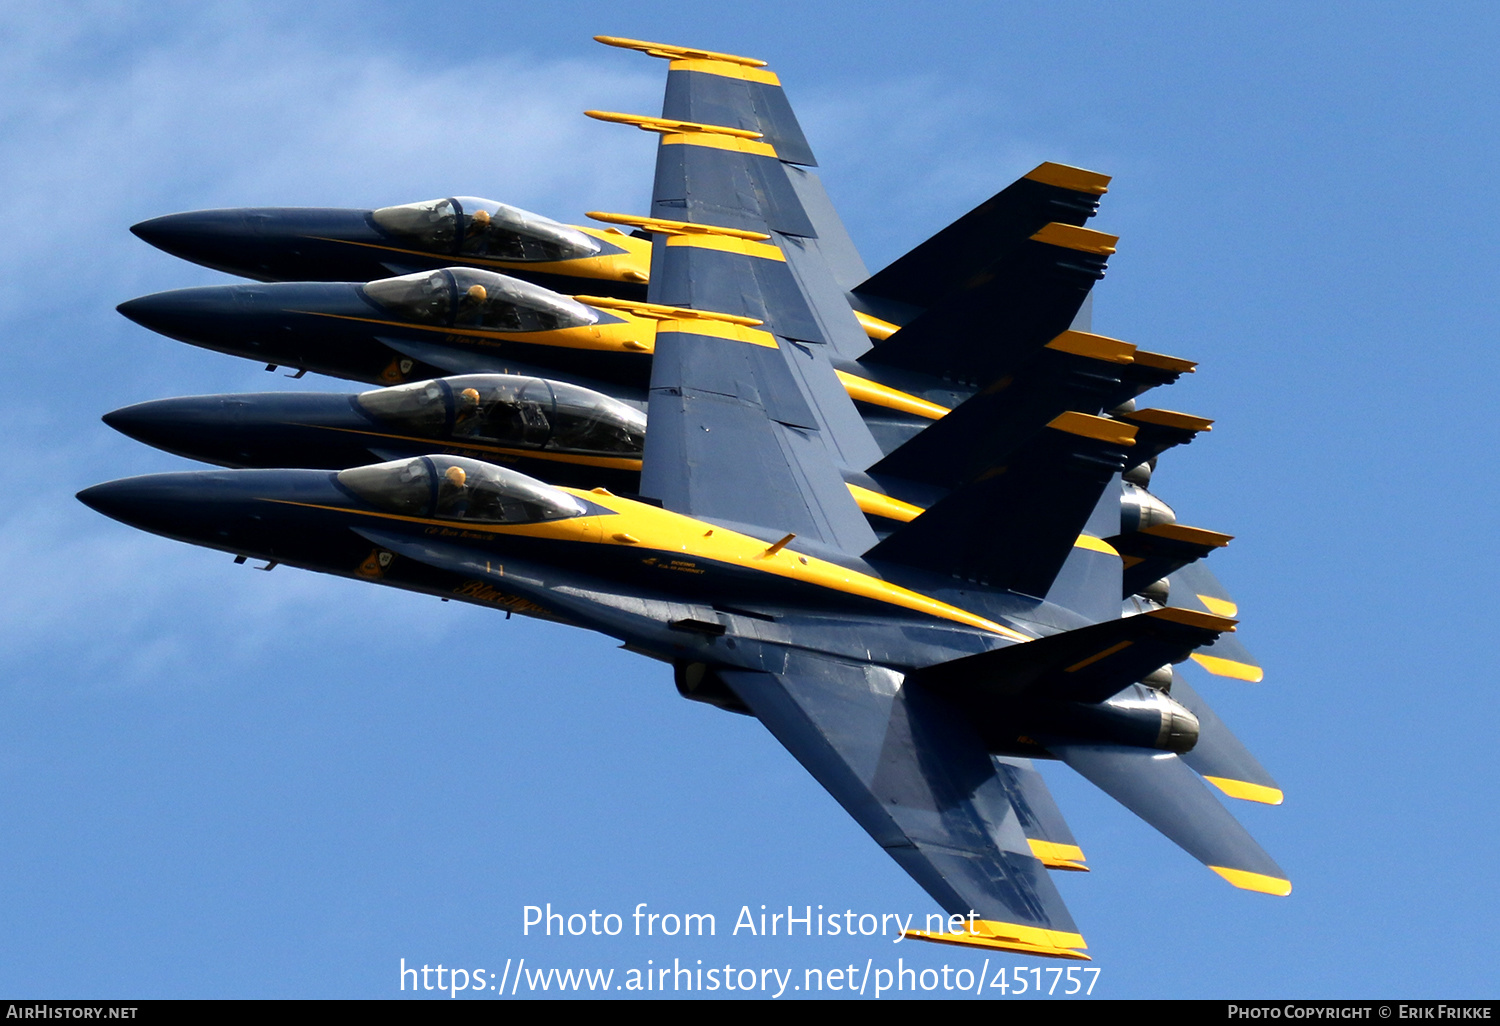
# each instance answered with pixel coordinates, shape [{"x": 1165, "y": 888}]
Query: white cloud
[
  {"x": 232, "y": 111},
  {"x": 111, "y": 115}
]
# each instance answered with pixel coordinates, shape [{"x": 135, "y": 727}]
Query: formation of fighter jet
[{"x": 902, "y": 519}]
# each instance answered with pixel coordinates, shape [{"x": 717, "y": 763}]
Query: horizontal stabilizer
[
  {"x": 927, "y": 274},
  {"x": 1194, "y": 586},
  {"x": 1160, "y": 788},
  {"x": 1075, "y": 371},
  {"x": 1230, "y": 659},
  {"x": 1089, "y": 581},
  {"x": 1041, "y": 820},
  {"x": 1155, "y": 552},
  {"x": 998, "y": 319},
  {"x": 1088, "y": 664},
  {"x": 1220, "y": 757},
  {"x": 1045, "y": 494}
]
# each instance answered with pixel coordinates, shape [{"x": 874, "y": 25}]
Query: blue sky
[{"x": 217, "y": 782}]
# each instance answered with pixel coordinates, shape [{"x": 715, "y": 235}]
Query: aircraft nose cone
[
  {"x": 202, "y": 236},
  {"x": 248, "y": 430},
  {"x": 272, "y": 243},
  {"x": 130, "y": 501},
  {"x": 222, "y": 509},
  {"x": 187, "y": 314},
  {"x": 199, "y": 505},
  {"x": 170, "y": 424}
]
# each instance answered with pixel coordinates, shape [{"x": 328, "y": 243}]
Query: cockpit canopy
[
  {"x": 463, "y": 297},
  {"x": 472, "y": 226},
  {"x": 454, "y": 488},
  {"x": 531, "y": 413}
]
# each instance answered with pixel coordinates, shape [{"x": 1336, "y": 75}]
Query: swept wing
[{"x": 748, "y": 426}]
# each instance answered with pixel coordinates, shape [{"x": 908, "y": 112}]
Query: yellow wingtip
[
  {"x": 1027, "y": 940},
  {"x": 1097, "y": 347},
  {"x": 1065, "y": 176},
  {"x": 1084, "y": 240},
  {"x": 1087, "y": 425},
  {"x": 1229, "y": 668},
  {"x": 1246, "y": 791},
  {"x": 1260, "y": 882},
  {"x": 1221, "y": 606},
  {"x": 1058, "y": 856}
]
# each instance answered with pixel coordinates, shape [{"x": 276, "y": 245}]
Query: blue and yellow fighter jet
[
  {"x": 1017, "y": 267},
  {"x": 912, "y": 657},
  {"x": 333, "y": 244}
]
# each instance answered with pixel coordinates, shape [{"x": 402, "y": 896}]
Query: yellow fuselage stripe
[
  {"x": 649, "y": 528},
  {"x": 666, "y": 531}
]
